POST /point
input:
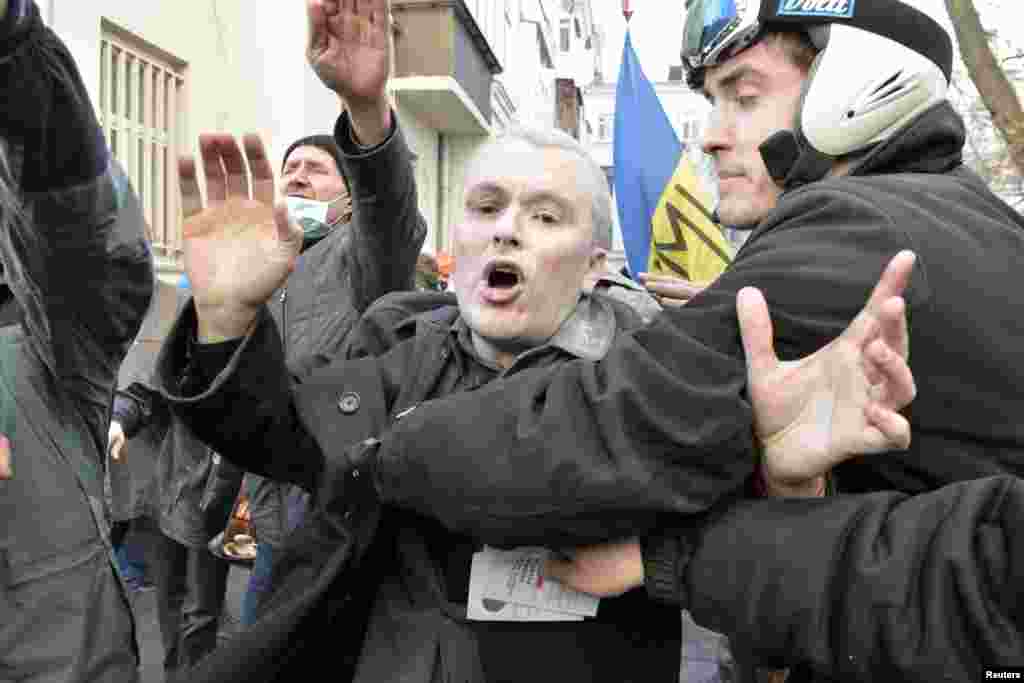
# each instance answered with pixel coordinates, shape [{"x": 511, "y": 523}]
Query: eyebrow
[
  {"x": 312, "y": 163},
  {"x": 542, "y": 196},
  {"x": 731, "y": 79},
  {"x": 529, "y": 198}
]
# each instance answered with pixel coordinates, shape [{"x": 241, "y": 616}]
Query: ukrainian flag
[{"x": 663, "y": 209}]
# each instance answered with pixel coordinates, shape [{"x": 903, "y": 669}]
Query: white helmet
[{"x": 881, "y": 63}]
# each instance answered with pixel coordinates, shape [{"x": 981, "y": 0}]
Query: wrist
[
  {"x": 663, "y": 555},
  {"x": 805, "y": 488},
  {"x": 371, "y": 120},
  {"x": 221, "y": 324}
]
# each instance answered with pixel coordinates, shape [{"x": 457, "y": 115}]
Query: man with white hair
[{"x": 537, "y": 217}]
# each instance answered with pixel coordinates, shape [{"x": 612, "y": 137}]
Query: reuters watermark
[{"x": 1003, "y": 673}]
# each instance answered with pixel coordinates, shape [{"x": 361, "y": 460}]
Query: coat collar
[{"x": 586, "y": 334}]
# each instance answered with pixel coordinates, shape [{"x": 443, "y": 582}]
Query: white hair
[{"x": 601, "y": 209}]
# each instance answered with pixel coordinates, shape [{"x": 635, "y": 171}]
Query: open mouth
[
  {"x": 502, "y": 282},
  {"x": 503, "y": 275}
]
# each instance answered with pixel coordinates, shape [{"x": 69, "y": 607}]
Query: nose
[
  {"x": 718, "y": 134},
  {"x": 296, "y": 179},
  {"x": 506, "y": 229}
]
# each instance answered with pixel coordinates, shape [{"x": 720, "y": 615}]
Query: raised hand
[
  {"x": 839, "y": 402},
  {"x": 349, "y": 49},
  {"x": 238, "y": 250}
]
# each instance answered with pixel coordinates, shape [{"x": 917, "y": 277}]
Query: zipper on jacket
[{"x": 284, "y": 322}]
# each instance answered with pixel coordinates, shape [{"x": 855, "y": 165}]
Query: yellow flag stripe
[
  {"x": 700, "y": 233},
  {"x": 684, "y": 238}
]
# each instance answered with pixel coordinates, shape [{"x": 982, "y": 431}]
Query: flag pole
[{"x": 627, "y": 12}]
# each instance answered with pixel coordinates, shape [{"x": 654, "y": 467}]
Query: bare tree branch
[{"x": 988, "y": 76}]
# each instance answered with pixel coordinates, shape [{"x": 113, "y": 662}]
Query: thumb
[
  {"x": 561, "y": 570},
  {"x": 317, "y": 26},
  {"x": 756, "y": 331},
  {"x": 289, "y": 233}
]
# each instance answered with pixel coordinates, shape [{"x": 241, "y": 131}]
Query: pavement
[{"x": 148, "y": 628}]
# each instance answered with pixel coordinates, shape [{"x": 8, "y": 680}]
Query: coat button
[{"x": 348, "y": 403}]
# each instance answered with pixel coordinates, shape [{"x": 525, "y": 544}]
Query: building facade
[{"x": 161, "y": 73}]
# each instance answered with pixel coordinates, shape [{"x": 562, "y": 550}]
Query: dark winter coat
[{"x": 395, "y": 598}]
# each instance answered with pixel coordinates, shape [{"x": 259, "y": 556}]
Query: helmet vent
[
  {"x": 895, "y": 87},
  {"x": 890, "y": 81}
]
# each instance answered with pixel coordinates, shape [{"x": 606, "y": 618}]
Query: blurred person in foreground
[{"x": 77, "y": 281}]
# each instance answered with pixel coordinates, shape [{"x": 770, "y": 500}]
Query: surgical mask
[{"x": 311, "y": 215}]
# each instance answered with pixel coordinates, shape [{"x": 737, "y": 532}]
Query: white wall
[
  {"x": 423, "y": 141},
  {"x": 246, "y": 72},
  {"x": 459, "y": 150}
]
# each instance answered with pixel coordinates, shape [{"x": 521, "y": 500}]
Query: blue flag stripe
[{"x": 646, "y": 153}]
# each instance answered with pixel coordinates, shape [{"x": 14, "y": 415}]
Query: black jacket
[
  {"x": 78, "y": 266},
  {"x": 405, "y": 351},
  {"x": 894, "y": 587}
]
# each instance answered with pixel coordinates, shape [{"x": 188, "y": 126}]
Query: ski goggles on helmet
[{"x": 715, "y": 30}]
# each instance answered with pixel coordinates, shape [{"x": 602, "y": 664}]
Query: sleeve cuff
[
  {"x": 345, "y": 137},
  {"x": 211, "y": 359},
  {"x": 664, "y": 562}
]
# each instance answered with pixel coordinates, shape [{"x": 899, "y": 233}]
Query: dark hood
[{"x": 931, "y": 143}]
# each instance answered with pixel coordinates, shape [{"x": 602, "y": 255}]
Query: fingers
[
  {"x": 378, "y": 11},
  {"x": 213, "y": 169},
  {"x": 892, "y": 284},
  {"x": 262, "y": 171},
  {"x": 892, "y": 318},
  {"x": 896, "y": 381},
  {"x": 115, "y": 449},
  {"x": 191, "y": 199},
  {"x": 234, "y": 165},
  {"x": 563, "y": 571},
  {"x": 673, "y": 288},
  {"x": 288, "y": 231},
  {"x": 317, "y": 17},
  {"x": 893, "y": 428},
  {"x": 227, "y": 172},
  {"x": 756, "y": 330},
  {"x": 894, "y": 281}
]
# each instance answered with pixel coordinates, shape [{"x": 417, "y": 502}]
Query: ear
[{"x": 598, "y": 260}]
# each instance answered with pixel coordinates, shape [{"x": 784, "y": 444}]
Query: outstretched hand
[
  {"x": 843, "y": 400},
  {"x": 238, "y": 250},
  {"x": 811, "y": 414}
]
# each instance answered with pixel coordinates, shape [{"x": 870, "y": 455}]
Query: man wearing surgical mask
[{"x": 316, "y": 187}]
